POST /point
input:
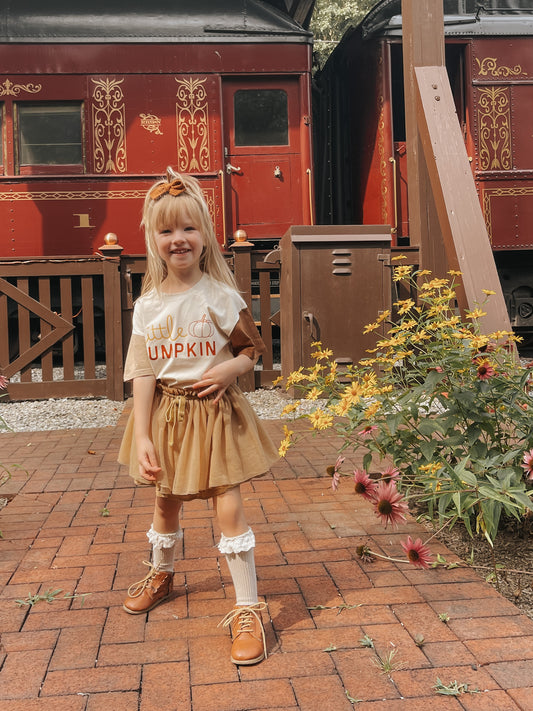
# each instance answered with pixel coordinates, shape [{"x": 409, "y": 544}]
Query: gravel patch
[
  {"x": 59, "y": 414},
  {"x": 79, "y": 413}
]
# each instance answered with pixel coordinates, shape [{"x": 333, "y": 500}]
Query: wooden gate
[
  {"x": 65, "y": 322},
  {"x": 57, "y": 318}
]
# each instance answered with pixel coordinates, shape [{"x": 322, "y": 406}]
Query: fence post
[
  {"x": 242, "y": 270},
  {"x": 111, "y": 252}
]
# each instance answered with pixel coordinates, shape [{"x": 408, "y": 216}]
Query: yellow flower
[
  {"x": 423, "y": 272},
  {"x": 476, "y": 313},
  {"x": 277, "y": 380},
  {"x": 453, "y": 321},
  {"x": 295, "y": 377},
  {"x": 402, "y": 272},
  {"x": 479, "y": 342},
  {"x": 397, "y": 340},
  {"x": 488, "y": 292},
  {"x": 352, "y": 393},
  {"x": 329, "y": 379},
  {"x": 404, "y": 305},
  {"x": 371, "y": 327},
  {"x": 313, "y": 394},
  {"x": 497, "y": 335},
  {"x": 437, "y": 309},
  {"x": 431, "y": 468},
  {"x": 398, "y": 257},
  {"x": 371, "y": 411},
  {"x": 407, "y": 325},
  {"x": 420, "y": 336},
  {"x": 367, "y": 361},
  {"x": 370, "y": 378},
  {"x": 316, "y": 344},
  {"x": 291, "y": 407},
  {"x": 320, "y": 419},
  {"x": 434, "y": 284},
  {"x": 342, "y": 408},
  {"x": 321, "y": 354},
  {"x": 404, "y": 354},
  {"x": 382, "y": 316},
  {"x": 453, "y": 272},
  {"x": 283, "y": 447},
  {"x": 287, "y": 432}
]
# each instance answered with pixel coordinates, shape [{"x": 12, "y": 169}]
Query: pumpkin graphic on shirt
[{"x": 202, "y": 328}]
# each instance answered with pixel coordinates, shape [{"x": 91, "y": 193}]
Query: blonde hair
[{"x": 164, "y": 211}]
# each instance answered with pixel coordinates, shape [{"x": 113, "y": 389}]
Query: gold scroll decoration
[
  {"x": 489, "y": 67},
  {"x": 494, "y": 128},
  {"x": 109, "y": 126},
  {"x": 192, "y": 123},
  {"x": 151, "y": 123},
  {"x": 10, "y": 89}
]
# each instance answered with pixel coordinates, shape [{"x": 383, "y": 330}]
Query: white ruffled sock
[
  {"x": 164, "y": 548},
  {"x": 239, "y": 552}
]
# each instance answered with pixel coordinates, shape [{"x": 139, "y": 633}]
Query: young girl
[{"x": 192, "y": 432}]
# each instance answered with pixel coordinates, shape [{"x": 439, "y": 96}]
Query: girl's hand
[
  {"x": 147, "y": 458},
  {"x": 220, "y": 377}
]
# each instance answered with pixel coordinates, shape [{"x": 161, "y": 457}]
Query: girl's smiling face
[{"x": 180, "y": 246}]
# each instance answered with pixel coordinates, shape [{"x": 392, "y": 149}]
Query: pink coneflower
[
  {"x": 485, "y": 370},
  {"x": 334, "y": 472},
  {"x": 367, "y": 430},
  {"x": 388, "y": 504},
  {"x": 364, "y": 485},
  {"x": 390, "y": 474},
  {"x": 3, "y": 382},
  {"x": 417, "y": 553},
  {"x": 527, "y": 466}
]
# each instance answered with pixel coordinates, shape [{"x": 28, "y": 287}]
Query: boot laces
[
  {"x": 137, "y": 589},
  {"x": 245, "y": 617}
]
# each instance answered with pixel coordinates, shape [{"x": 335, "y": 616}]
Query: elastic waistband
[{"x": 187, "y": 393}]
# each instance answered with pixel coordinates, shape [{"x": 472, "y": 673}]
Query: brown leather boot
[
  {"x": 248, "y": 634},
  {"x": 149, "y": 591}
]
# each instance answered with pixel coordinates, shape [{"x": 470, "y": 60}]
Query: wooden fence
[{"x": 65, "y": 322}]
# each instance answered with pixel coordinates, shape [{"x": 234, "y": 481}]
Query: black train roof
[
  {"x": 461, "y": 17},
  {"x": 74, "y": 21}
]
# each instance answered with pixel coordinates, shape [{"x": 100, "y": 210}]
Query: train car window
[
  {"x": 50, "y": 134},
  {"x": 261, "y": 117}
]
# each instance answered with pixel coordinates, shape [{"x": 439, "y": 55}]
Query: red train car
[
  {"x": 97, "y": 98},
  {"x": 361, "y": 154}
]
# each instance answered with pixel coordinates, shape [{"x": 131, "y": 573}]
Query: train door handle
[
  {"x": 232, "y": 169},
  {"x": 313, "y": 324}
]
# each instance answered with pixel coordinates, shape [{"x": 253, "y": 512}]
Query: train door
[{"x": 262, "y": 156}]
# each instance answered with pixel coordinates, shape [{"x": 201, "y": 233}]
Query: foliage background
[{"x": 331, "y": 19}]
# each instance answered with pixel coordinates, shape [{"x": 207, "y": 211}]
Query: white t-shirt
[{"x": 177, "y": 337}]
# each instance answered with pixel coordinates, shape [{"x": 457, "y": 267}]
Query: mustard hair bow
[{"x": 176, "y": 187}]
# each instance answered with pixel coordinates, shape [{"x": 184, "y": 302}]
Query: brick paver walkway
[{"x": 86, "y": 654}]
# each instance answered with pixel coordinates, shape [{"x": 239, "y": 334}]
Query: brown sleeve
[
  {"x": 137, "y": 361},
  {"x": 245, "y": 337}
]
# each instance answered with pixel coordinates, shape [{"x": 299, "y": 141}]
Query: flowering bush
[{"x": 449, "y": 407}]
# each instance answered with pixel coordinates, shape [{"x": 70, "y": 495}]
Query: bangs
[{"x": 168, "y": 210}]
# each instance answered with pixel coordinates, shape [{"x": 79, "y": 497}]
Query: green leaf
[
  {"x": 428, "y": 426},
  {"x": 473, "y": 433},
  {"x": 428, "y": 449}
]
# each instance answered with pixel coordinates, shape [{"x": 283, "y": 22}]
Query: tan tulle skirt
[{"x": 203, "y": 448}]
